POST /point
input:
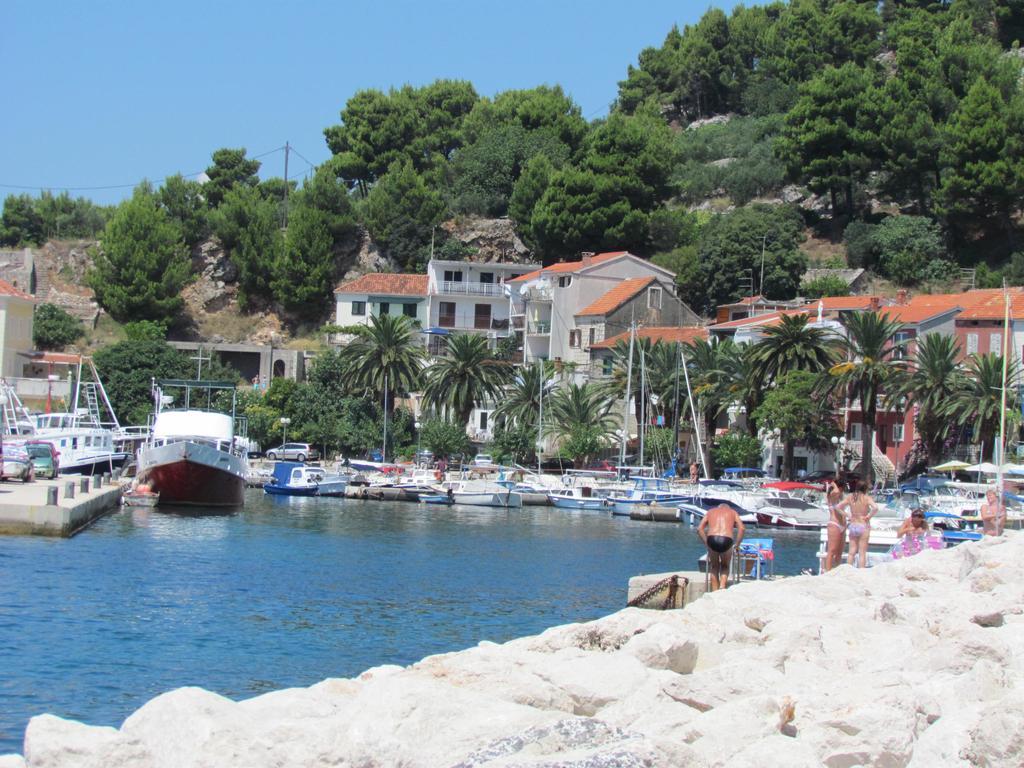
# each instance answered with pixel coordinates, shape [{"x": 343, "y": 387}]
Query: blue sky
[{"x": 108, "y": 93}]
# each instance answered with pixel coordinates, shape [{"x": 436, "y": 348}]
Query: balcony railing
[
  {"x": 538, "y": 327},
  {"x": 470, "y": 322},
  {"x": 459, "y": 288}
]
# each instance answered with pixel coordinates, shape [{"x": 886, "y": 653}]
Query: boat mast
[
  {"x": 675, "y": 415},
  {"x": 540, "y": 415},
  {"x": 629, "y": 381},
  {"x": 693, "y": 415},
  {"x": 642, "y": 426},
  {"x": 384, "y": 446},
  {"x": 1002, "y": 411}
]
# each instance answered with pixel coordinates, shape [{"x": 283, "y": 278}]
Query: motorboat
[
  {"x": 646, "y": 491},
  {"x": 477, "y": 493},
  {"x": 140, "y": 496},
  {"x": 291, "y": 478},
  {"x": 579, "y": 498},
  {"x": 192, "y": 456}
]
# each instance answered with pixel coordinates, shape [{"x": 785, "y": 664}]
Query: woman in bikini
[
  {"x": 912, "y": 535},
  {"x": 836, "y": 525},
  {"x": 861, "y": 508}
]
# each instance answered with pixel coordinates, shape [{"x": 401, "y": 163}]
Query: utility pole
[
  {"x": 286, "y": 149},
  {"x": 764, "y": 240}
]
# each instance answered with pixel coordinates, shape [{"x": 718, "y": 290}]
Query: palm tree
[
  {"x": 793, "y": 346},
  {"x": 867, "y": 368},
  {"x": 385, "y": 355},
  {"x": 467, "y": 375},
  {"x": 582, "y": 420},
  {"x": 978, "y": 400},
  {"x": 520, "y": 402},
  {"x": 930, "y": 382},
  {"x": 743, "y": 380}
]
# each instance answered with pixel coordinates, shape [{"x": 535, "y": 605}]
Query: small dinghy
[{"x": 140, "y": 496}]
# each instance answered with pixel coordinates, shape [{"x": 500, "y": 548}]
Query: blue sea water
[{"x": 289, "y": 591}]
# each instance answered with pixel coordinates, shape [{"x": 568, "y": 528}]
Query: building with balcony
[
  {"x": 564, "y": 309},
  {"x": 16, "y": 312},
  {"x": 467, "y": 297},
  {"x": 356, "y": 301}
]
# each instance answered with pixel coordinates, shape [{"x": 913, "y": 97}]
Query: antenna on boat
[{"x": 199, "y": 357}]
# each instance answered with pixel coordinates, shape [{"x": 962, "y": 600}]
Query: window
[
  {"x": 995, "y": 343},
  {"x": 565, "y": 281},
  {"x": 855, "y": 431},
  {"x": 487, "y": 277},
  {"x": 607, "y": 365},
  {"x": 385, "y": 308},
  {"x": 654, "y": 298},
  {"x": 453, "y": 275},
  {"x": 972, "y": 343},
  {"x": 900, "y": 343},
  {"x": 409, "y": 310},
  {"x": 897, "y": 433},
  {"x": 593, "y": 333},
  {"x": 482, "y": 316},
  {"x": 446, "y": 314},
  {"x": 574, "y": 338},
  {"x": 483, "y": 420},
  {"x": 358, "y": 308}
]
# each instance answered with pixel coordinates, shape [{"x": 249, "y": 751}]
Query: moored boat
[
  {"x": 193, "y": 457},
  {"x": 291, "y": 478}
]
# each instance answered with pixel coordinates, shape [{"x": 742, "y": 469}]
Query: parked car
[
  {"x": 425, "y": 458},
  {"x": 483, "y": 460},
  {"x": 555, "y": 464},
  {"x": 293, "y": 452},
  {"x": 604, "y": 465},
  {"x": 924, "y": 483},
  {"x": 44, "y": 457},
  {"x": 15, "y": 463}
]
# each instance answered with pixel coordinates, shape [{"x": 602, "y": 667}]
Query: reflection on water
[{"x": 288, "y": 591}]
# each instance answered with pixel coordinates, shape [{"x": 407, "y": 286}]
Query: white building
[
  {"x": 356, "y": 301},
  {"x": 565, "y": 308},
  {"x": 466, "y": 297}
]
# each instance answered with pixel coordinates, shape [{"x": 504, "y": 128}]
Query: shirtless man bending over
[{"x": 716, "y": 530}]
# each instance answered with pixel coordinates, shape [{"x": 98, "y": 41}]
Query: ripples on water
[{"x": 288, "y": 592}]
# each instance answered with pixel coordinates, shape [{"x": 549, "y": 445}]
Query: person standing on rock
[
  {"x": 716, "y": 531},
  {"x": 836, "y": 525},
  {"x": 993, "y": 515},
  {"x": 861, "y": 508}
]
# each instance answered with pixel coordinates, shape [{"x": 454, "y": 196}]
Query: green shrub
[
  {"x": 53, "y": 328},
  {"x": 826, "y": 285},
  {"x": 737, "y": 450}
]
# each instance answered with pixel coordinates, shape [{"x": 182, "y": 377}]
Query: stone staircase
[{"x": 884, "y": 469}]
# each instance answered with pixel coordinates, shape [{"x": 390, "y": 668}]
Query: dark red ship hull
[{"x": 190, "y": 483}]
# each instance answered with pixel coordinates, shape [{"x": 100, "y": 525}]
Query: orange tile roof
[
  {"x": 990, "y": 305},
  {"x": 569, "y": 266},
  {"x": 657, "y": 334},
  {"x": 745, "y": 321},
  {"x": 910, "y": 314},
  {"x": 617, "y": 296},
  {"x": 386, "y": 285},
  {"x": 6, "y": 289},
  {"x": 55, "y": 358}
]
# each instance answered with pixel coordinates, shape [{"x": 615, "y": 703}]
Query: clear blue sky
[{"x": 108, "y": 93}]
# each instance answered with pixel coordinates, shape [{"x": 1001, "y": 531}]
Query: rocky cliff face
[
  {"x": 492, "y": 239},
  {"x": 916, "y": 663}
]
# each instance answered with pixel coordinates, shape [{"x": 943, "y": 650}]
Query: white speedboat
[
  {"x": 192, "y": 456},
  {"x": 581, "y": 498},
  {"x": 476, "y": 493},
  {"x": 646, "y": 491},
  {"x": 292, "y": 478}
]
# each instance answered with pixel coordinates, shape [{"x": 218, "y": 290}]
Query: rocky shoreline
[{"x": 915, "y": 663}]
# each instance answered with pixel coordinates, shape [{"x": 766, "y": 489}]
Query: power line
[{"x": 62, "y": 188}]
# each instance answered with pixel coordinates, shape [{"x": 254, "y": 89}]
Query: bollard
[
  {"x": 97, "y": 481},
  {"x": 83, "y": 484},
  {"x": 69, "y": 490},
  {"x": 51, "y": 495},
  {"x": 106, "y": 478}
]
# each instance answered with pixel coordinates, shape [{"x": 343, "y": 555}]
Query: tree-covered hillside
[{"x": 893, "y": 128}]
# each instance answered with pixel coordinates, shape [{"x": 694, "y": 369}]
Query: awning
[{"x": 951, "y": 466}]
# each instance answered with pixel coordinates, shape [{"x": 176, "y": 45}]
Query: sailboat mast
[
  {"x": 642, "y": 425},
  {"x": 675, "y": 413},
  {"x": 625, "y": 414},
  {"x": 693, "y": 415},
  {"x": 1002, "y": 411},
  {"x": 540, "y": 415}
]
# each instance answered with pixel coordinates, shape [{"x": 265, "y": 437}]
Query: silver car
[{"x": 293, "y": 452}]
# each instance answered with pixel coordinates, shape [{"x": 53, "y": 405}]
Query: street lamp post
[
  {"x": 416, "y": 425},
  {"x": 839, "y": 444},
  {"x": 285, "y": 421}
]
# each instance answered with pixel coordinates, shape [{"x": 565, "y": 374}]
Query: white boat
[
  {"x": 580, "y": 498},
  {"x": 645, "y": 491},
  {"x": 85, "y": 448},
  {"x": 476, "y": 493},
  {"x": 292, "y": 478},
  {"x": 192, "y": 456}
]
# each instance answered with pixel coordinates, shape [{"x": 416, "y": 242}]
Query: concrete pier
[
  {"x": 692, "y": 588},
  {"x": 27, "y": 508}
]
